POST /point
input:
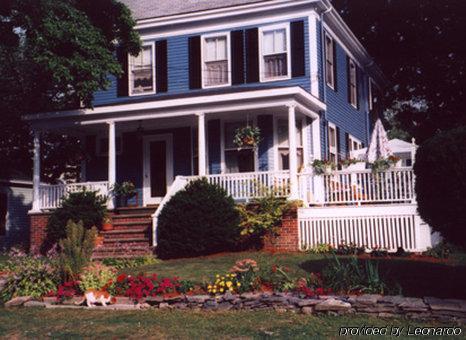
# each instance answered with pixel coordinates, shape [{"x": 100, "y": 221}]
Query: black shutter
[
  {"x": 237, "y": 57},
  {"x": 252, "y": 55},
  {"x": 297, "y": 49},
  {"x": 338, "y": 144},
  {"x": 347, "y": 139},
  {"x": 161, "y": 71},
  {"x": 327, "y": 131},
  {"x": 335, "y": 77},
  {"x": 122, "y": 80},
  {"x": 195, "y": 62},
  {"x": 348, "y": 80}
]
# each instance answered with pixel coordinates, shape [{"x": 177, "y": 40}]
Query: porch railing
[
  {"x": 248, "y": 185},
  {"x": 394, "y": 185},
  {"x": 51, "y": 195}
]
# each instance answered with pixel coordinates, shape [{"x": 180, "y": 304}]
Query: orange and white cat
[{"x": 93, "y": 296}]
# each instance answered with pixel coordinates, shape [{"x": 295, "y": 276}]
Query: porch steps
[{"x": 131, "y": 234}]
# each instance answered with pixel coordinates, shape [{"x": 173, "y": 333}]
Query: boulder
[
  {"x": 332, "y": 305},
  {"x": 413, "y": 305},
  {"x": 197, "y": 298},
  {"x": 308, "y": 302},
  {"x": 307, "y": 310},
  {"x": 453, "y": 305},
  {"x": 33, "y": 303}
]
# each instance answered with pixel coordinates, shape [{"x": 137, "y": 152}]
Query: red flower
[{"x": 121, "y": 278}]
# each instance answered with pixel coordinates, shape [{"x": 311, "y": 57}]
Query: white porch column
[
  {"x": 111, "y": 160},
  {"x": 318, "y": 181},
  {"x": 36, "y": 173},
  {"x": 201, "y": 144},
  {"x": 294, "y": 194}
]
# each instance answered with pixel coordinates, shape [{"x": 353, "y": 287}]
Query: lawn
[
  {"x": 417, "y": 278},
  {"x": 42, "y": 323}
]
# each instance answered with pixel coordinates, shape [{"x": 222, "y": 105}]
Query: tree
[
  {"x": 440, "y": 186},
  {"x": 419, "y": 45},
  {"x": 55, "y": 54}
]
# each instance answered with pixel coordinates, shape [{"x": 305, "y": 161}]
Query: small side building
[{"x": 15, "y": 202}]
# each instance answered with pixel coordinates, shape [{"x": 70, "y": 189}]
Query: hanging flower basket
[{"x": 247, "y": 136}]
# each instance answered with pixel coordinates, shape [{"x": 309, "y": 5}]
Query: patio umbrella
[{"x": 378, "y": 147}]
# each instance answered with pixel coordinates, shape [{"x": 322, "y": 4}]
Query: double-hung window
[
  {"x": 216, "y": 60},
  {"x": 237, "y": 160},
  {"x": 352, "y": 83},
  {"x": 142, "y": 71},
  {"x": 275, "y": 56},
  {"x": 332, "y": 143},
  {"x": 329, "y": 61},
  {"x": 284, "y": 145},
  {"x": 353, "y": 145}
]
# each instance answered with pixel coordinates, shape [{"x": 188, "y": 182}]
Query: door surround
[{"x": 168, "y": 139}]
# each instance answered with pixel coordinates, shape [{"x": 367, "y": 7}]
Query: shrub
[
  {"x": 75, "y": 250},
  {"x": 199, "y": 220},
  {"x": 246, "y": 272},
  {"x": 440, "y": 186},
  {"x": 442, "y": 250},
  {"x": 85, "y": 206},
  {"x": 67, "y": 290},
  {"x": 121, "y": 263},
  {"x": 321, "y": 248},
  {"x": 96, "y": 276},
  {"x": 30, "y": 276}
]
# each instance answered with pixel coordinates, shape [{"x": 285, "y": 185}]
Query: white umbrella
[{"x": 378, "y": 147}]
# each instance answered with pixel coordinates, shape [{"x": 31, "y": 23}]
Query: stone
[
  {"x": 75, "y": 300},
  {"x": 49, "y": 300},
  {"x": 33, "y": 303},
  {"x": 308, "y": 302},
  {"x": 154, "y": 300},
  {"x": 144, "y": 305},
  {"x": 17, "y": 301},
  {"x": 367, "y": 299},
  {"x": 123, "y": 300},
  {"x": 164, "y": 305},
  {"x": 392, "y": 299},
  {"x": 413, "y": 305},
  {"x": 180, "y": 305},
  {"x": 275, "y": 299},
  {"x": 197, "y": 298},
  {"x": 228, "y": 296},
  {"x": 453, "y": 305},
  {"x": 332, "y": 305},
  {"x": 376, "y": 309},
  {"x": 307, "y": 310},
  {"x": 250, "y": 296},
  {"x": 173, "y": 298},
  {"x": 119, "y": 307},
  {"x": 65, "y": 307}
]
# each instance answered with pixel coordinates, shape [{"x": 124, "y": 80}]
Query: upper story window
[
  {"x": 332, "y": 143},
  {"x": 275, "y": 56},
  {"x": 216, "y": 60},
  {"x": 142, "y": 71},
  {"x": 352, "y": 83},
  {"x": 330, "y": 61}
]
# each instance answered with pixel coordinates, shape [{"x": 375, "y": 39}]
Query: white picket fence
[
  {"x": 51, "y": 195},
  {"x": 395, "y": 185},
  {"x": 385, "y": 226}
]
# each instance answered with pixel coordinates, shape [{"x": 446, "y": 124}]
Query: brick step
[
  {"x": 112, "y": 251},
  {"x": 131, "y": 218},
  {"x": 114, "y": 236},
  {"x": 132, "y": 223},
  {"x": 120, "y": 256},
  {"x": 135, "y": 239},
  {"x": 135, "y": 210},
  {"x": 127, "y": 230}
]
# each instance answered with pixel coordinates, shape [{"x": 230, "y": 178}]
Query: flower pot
[
  {"x": 99, "y": 241},
  {"x": 107, "y": 226},
  {"x": 327, "y": 170}
]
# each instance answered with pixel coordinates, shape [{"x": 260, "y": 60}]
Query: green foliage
[
  {"x": 349, "y": 249},
  {"x": 440, "y": 186},
  {"x": 323, "y": 166},
  {"x": 185, "y": 286},
  {"x": 122, "y": 263},
  {"x": 76, "y": 250},
  {"x": 350, "y": 276},
  {"x": 30, "y": 276},
  {"x": 321, "y": 248},
  {"x": 247, "y": 136},
  {"x": 442, "y": 250},
  {"x": 247, "y": 275},
  {"x": 199, "y": 220},
  {"x": 277, "y": 278},
  {"x": 126, "y": 189},
  {"x": 85, "y": 206},
  {"x": 96, "y": 276}
]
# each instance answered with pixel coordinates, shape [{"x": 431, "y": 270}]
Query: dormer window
[
  {"x": 352, "y": 83},
  {"x": 216, "y": 61},
  {"x": 142, "y": 71},
  {"x": 275, "y": 63}
]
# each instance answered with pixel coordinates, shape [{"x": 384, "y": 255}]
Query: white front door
[{"x": 158, "y": 167}]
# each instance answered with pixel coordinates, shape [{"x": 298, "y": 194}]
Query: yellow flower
[
  {"x": 238, "y": 284},
  {"x": 229, "y": 283},
  {"x": 221, "y": 290},
  {"x": 217, "y": 275},
  {"x": 230, "y": 289},
  {"x": 214, "y": 291},
  {"x": 209, "y": 287},
  {"x": 222, "y": 283}
]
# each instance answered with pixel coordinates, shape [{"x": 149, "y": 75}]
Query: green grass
[{"x": 66, "y": 324}]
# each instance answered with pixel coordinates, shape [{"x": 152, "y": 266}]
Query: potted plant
[
  {"x": 99, "y": 240},
  {"x": 247, "y": 136},
  {"x": 323, "y": 167},
  {"x": 107, "y": 223},
  {"x": 383, "y": 164},
  {"x": 124, "y": 191}
]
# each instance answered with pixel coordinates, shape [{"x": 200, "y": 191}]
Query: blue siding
[
  {"x": 265, "y": 150},
  {"x": 178, "y": 72}
]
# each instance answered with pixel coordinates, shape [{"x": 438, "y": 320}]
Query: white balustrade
[
  {"x": 395, "y": 185},
  {"x": 51, "y": 195}
]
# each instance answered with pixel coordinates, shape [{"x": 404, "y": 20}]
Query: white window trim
[
  {"x": 223, "y": 149},
  {"x": 370, "y": 94},
  {"x": 356, "y": 85},
  {"x": 130, "y": 87},
  {"x": 285, "y": 26},
  {"x": 203, "y": 68},
  {"x": 327, "y": 35},
  {"x": 332, "y": 149},
  {"x": 276, "y": 148},
  {"x": 352, "y": 140}
]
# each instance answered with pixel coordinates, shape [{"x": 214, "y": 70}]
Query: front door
[{"x": 158, "y": 167}]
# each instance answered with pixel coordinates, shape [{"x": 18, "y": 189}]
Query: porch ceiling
[{"x": 170, "y": 107}]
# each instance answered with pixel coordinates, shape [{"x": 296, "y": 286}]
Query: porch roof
[{"x": 163, "y": 106}]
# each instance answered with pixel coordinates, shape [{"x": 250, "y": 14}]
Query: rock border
[{"x": 428, "y": 308}]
